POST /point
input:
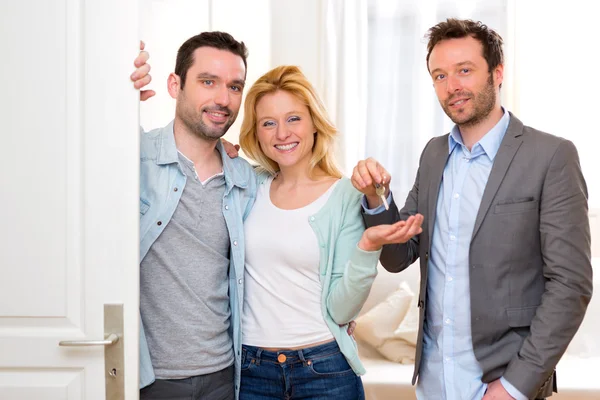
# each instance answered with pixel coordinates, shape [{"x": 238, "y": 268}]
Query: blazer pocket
[
  {"x": 520, "y": 316},
  {"x": 515, "y": 207},
  {"x": 144, "y": 206}
]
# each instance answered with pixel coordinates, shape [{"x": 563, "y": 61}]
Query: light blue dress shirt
[{"x": 449, "y": 369}]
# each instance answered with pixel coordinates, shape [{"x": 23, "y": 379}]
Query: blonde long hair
[{"x": 292, "y": 80}]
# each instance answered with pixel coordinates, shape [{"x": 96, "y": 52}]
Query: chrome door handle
[
  {"x": 114, "y": 351},
  {"x": 110, "y": 340}
]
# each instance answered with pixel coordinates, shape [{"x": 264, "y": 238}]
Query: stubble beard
[
  {"x": 483, "y": 104},
  {"x": 193, "y": 121}
]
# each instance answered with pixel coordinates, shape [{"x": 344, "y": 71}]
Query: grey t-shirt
[{"x": 184, "y": 297}]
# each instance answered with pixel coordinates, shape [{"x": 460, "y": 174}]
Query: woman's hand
[
  {"x": 230, "y": 148},
  {"x": 351, "y": 327},
  {"x": 400, "y": 232}
]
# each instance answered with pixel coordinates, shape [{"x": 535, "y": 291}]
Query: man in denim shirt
[{"x": 193, "y": 201}]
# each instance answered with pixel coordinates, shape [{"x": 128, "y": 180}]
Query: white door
[{"x": 69, "y": 173}]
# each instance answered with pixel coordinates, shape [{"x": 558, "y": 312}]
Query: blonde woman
[{"x": 310, "y": 263}]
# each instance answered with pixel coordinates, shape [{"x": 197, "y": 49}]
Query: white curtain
[
  {"x": 375, "y": 82},
  {"x": 343, "y": 79}
]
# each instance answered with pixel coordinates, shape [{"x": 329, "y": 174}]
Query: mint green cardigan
[{"x": 346, "y": 271}]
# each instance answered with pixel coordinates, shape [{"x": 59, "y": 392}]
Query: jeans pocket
[
  {"x": 330, "y": 365},
  {"x": 247, "y": 360}
]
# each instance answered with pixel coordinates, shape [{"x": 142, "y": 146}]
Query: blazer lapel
[
  {"x": 436, "y": 170},
  {"x": 508, "y": 148}
]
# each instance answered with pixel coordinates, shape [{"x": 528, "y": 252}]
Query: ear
[
  {"x": 173, "y": 85},
  {"x": 499, "y": 74}
]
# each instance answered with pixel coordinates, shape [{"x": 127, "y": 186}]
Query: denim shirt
[{"x": 161, "y": 185}]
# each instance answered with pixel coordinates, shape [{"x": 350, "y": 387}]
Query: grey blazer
[{"x": 529, "y": 259}]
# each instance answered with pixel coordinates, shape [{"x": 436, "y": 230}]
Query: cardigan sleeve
[{"x": 353, "y": 269}]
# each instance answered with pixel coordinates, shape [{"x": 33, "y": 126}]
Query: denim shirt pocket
[{"x": 144, "y": 206}]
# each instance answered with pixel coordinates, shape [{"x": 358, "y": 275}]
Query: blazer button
[{"x": 427, "y": 256}]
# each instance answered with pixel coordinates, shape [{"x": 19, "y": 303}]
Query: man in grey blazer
[{"x": 504, "y": 245}]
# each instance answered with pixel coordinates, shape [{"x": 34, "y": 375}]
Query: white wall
[
  {"x": 296, "y": 28},
  {"x": 557, "y": 88}
]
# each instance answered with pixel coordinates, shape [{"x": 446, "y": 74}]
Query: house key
[{"x": 380, "y": 191}]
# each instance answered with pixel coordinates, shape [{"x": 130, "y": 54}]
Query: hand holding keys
[
  {"x": 380, "y": 191},
  {"x": 371, "y": 179}
]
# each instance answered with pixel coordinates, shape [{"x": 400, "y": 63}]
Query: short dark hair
[
  {"x": 217, "y": 40},
  {"x": 454, "y": 28}
]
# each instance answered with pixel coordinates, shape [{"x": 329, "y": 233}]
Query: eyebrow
[
  {"x": 206, "y": 75},
  {"x": 460, "y": 64},
  {"x": 287, "y": 114}
]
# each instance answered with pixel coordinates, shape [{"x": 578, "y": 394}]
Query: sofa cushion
[{"x": 389, "y": 326}]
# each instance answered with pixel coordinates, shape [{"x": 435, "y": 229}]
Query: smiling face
[
  {"x": 465, "y": 88},
  {"x": 210, "y": 100},
  {"x": 284, "y": 129}
]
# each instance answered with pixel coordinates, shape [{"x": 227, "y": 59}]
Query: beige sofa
[
  {"x": 386, "y": 379},
  {"x": 577, "y": 371}
]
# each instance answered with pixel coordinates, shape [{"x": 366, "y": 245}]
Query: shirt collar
[
  {"x": 490, "y": 142},
  {"x": 168, "y": 154},
  {"x": 167, "y": 151},
  {"x": 232, "y": 169}
]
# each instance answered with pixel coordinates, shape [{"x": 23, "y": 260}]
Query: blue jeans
[{"x": 315, "y": 373}]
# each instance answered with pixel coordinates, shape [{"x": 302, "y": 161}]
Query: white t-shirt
[{"x": 282, "y": 299}]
